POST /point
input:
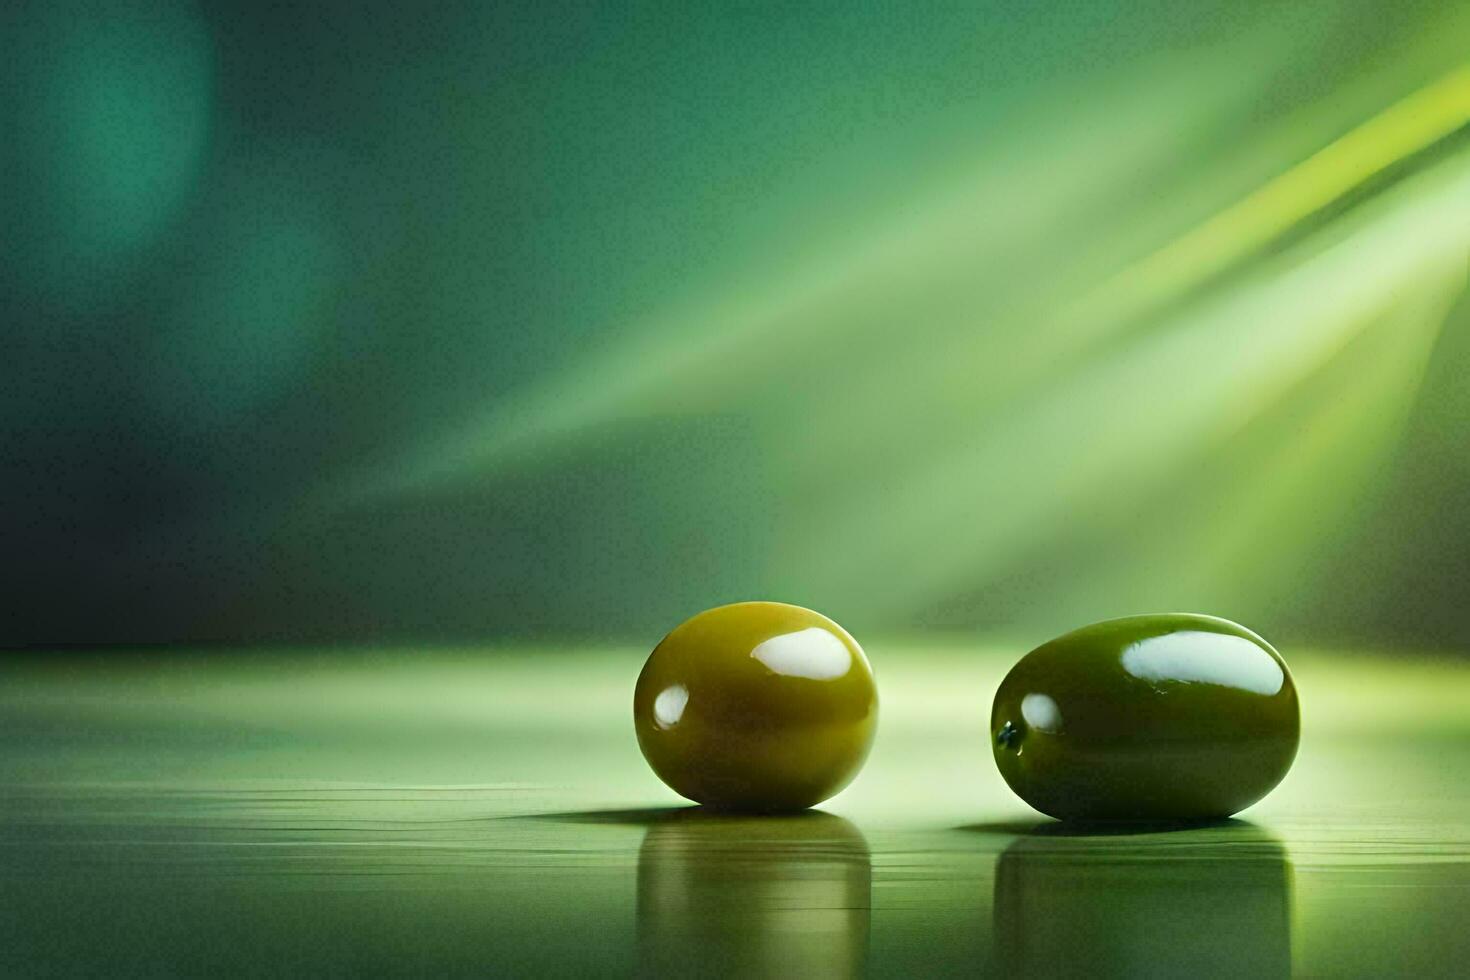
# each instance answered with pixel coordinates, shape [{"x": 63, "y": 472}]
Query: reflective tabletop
[{"x": 487, "y": 811}]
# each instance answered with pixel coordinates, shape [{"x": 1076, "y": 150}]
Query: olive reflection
[
  {"x": 1204, "y": 902},
  {"x": 753, "y": 896}
]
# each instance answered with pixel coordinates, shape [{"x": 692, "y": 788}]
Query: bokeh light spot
[
  {"x": 245, "y": 328},
  {"x": 115, "y": 103}
]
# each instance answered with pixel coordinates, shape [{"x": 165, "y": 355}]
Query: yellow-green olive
[
  {"x": 756, "y": 706},
  {"x": 1165, "y": 717}
]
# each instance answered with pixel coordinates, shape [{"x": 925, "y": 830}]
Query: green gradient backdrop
[{"x": 530, "y": 319}]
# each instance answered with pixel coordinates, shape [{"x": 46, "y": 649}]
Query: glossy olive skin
[
  {"x": 1163, "y": 717},
  {"x": 757, "y": 706}
]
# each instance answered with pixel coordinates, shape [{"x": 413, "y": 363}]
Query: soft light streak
[
  {"x": 1407, "y": 127},
  {"x": 1130, "y": 421}
]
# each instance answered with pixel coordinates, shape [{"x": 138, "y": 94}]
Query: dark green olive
[
  {"x": 1164, "y": 717},
  {"x": 756, "y": 706}
]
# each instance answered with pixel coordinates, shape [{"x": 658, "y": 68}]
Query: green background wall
[{"x": 393, "y": 322}]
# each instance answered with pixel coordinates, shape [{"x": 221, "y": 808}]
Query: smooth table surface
[{"x": 486, "y": 811}]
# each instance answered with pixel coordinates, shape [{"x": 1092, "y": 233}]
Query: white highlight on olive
[
  {"x": 1194, "y": 656},
  {"x": 812, "y": 652},
  {"x": 1041, "y": 713},
  {"x": 668, "y": 707}
]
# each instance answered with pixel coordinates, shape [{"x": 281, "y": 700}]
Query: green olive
[
  {"x": 756, "y": 706},
  {"x": 1165, "y": 717}
]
